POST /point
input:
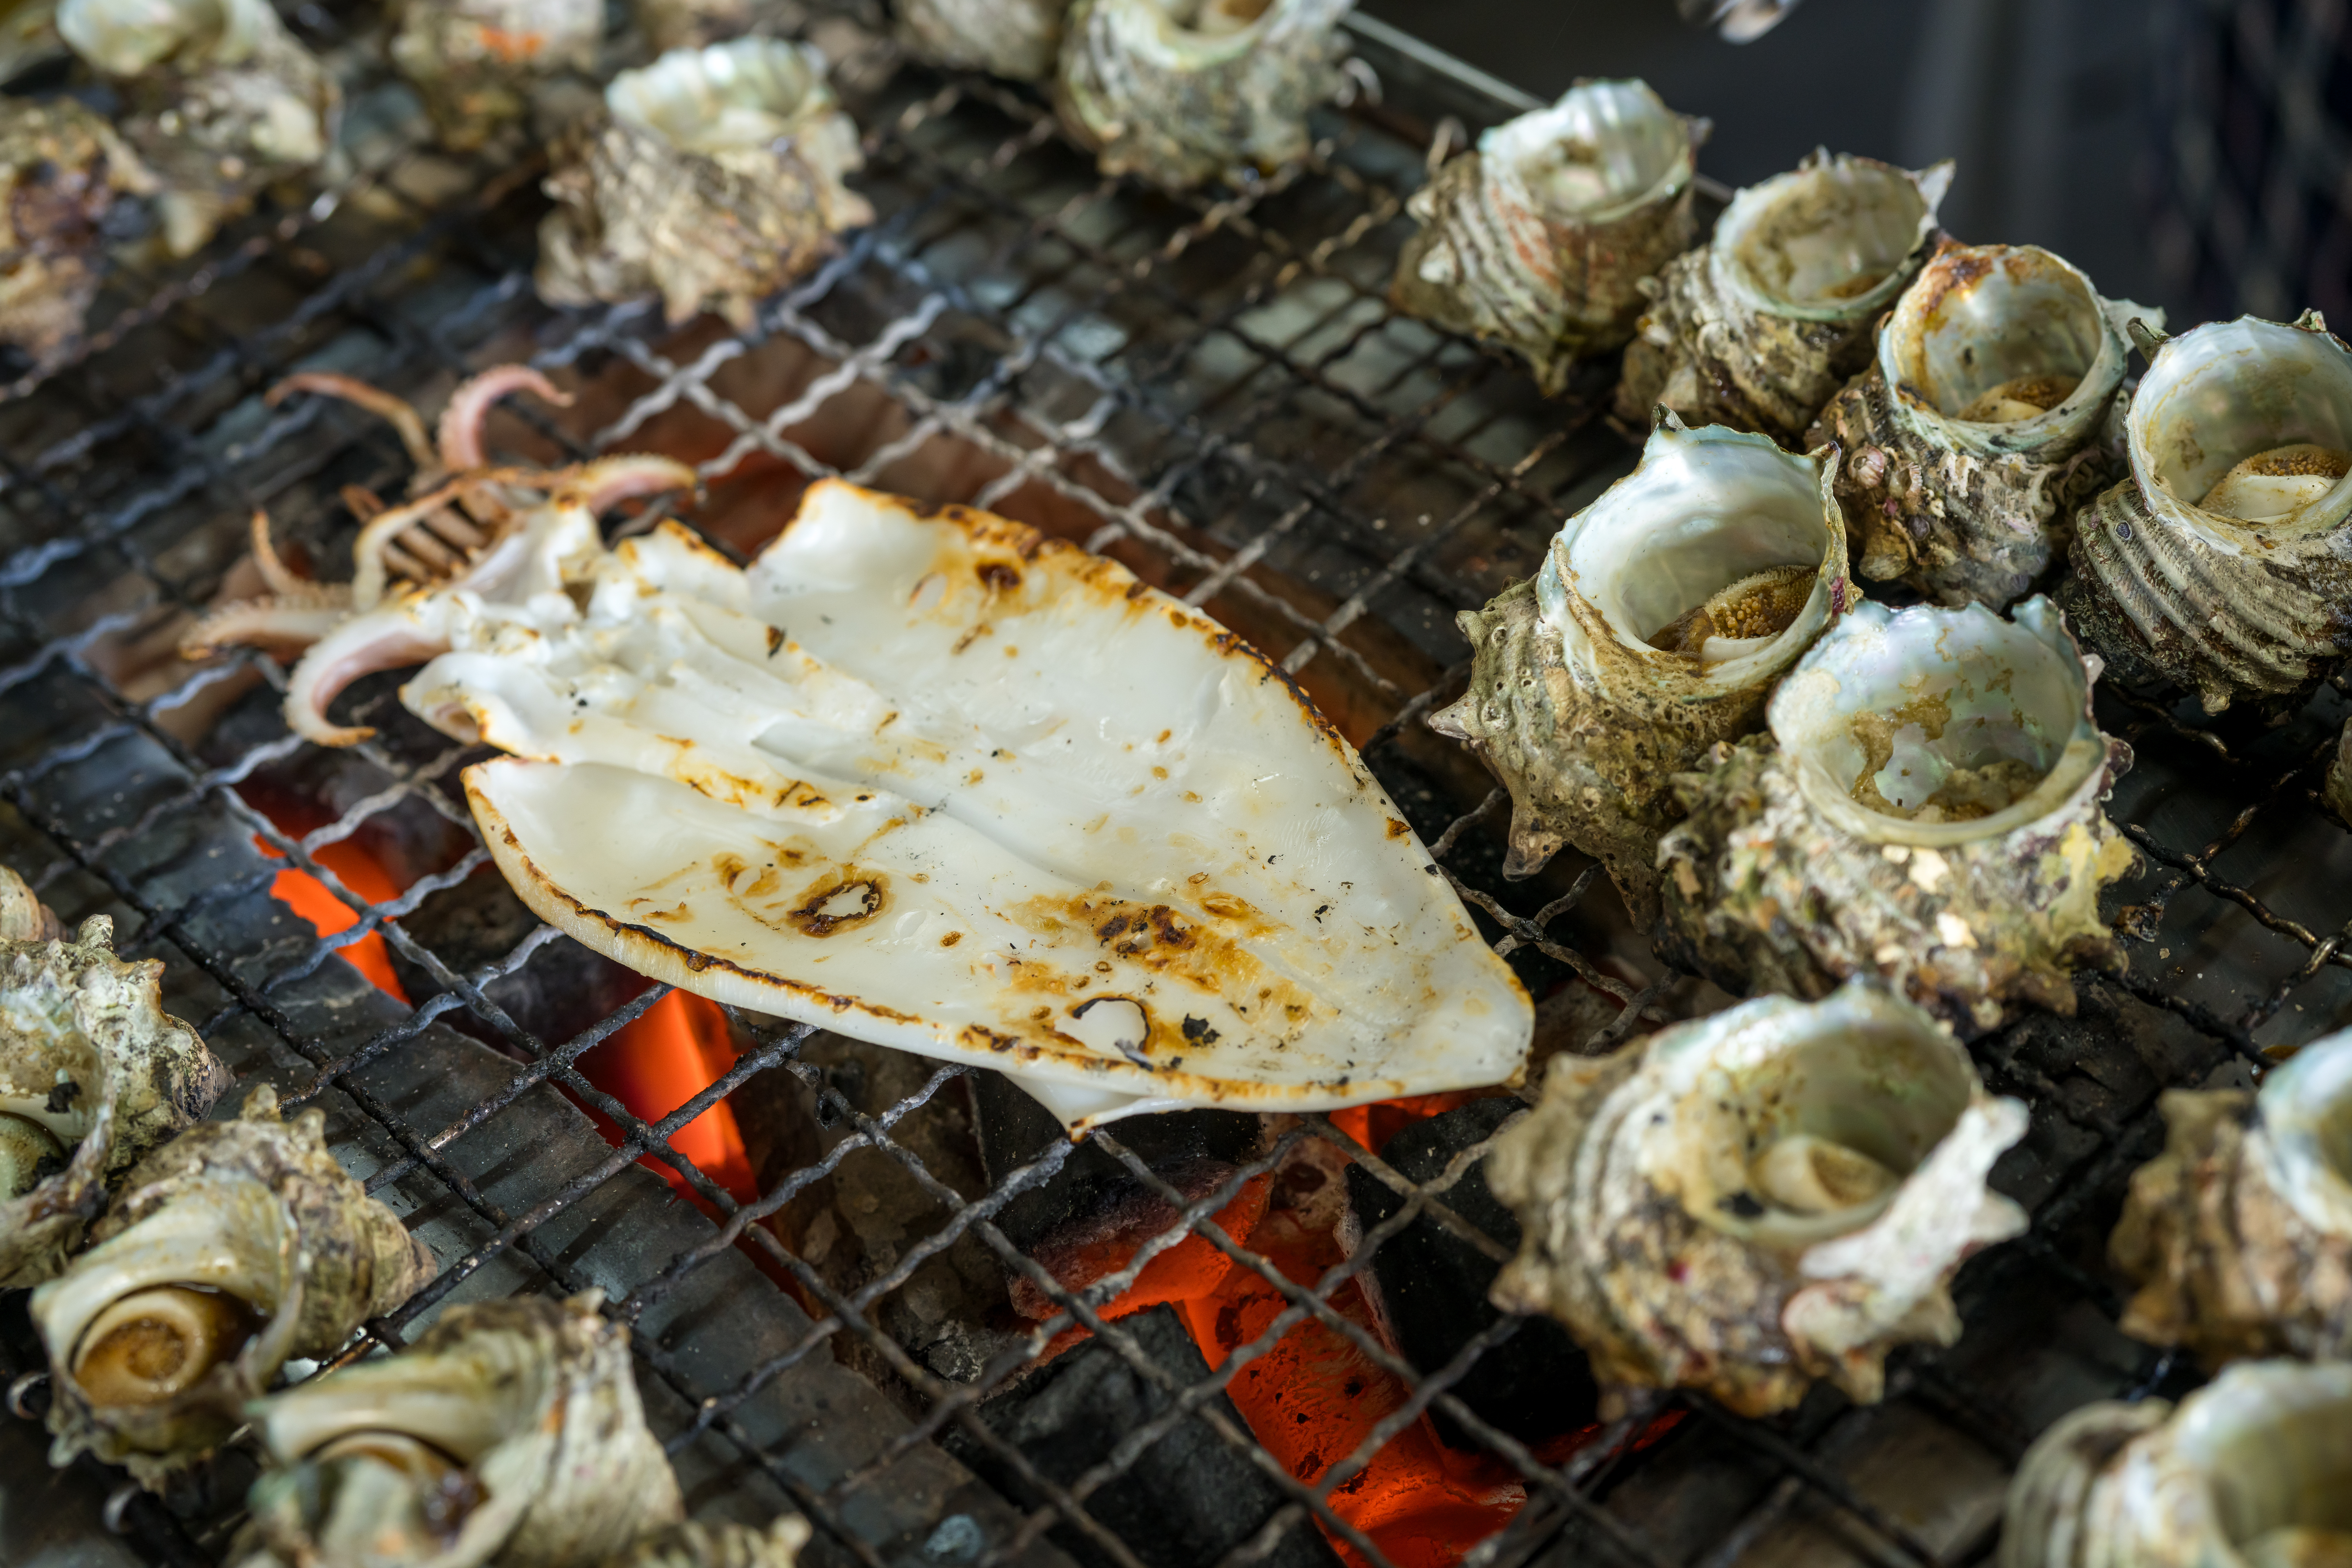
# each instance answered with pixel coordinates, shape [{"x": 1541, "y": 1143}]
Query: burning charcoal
[
  {"x": 560, "y": 991},
  {"x": 1187, "y": 1499},
  {"x": 1431, "y": 1287},
  {"x": 1088, "y": 1220}
]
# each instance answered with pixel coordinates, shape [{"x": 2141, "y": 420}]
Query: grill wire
[{"x": 1213, "y": 386}]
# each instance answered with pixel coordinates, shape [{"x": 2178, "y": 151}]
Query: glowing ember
[
  {"x": 330, "y": 916},
  {"x": 680, "y": 1048}
]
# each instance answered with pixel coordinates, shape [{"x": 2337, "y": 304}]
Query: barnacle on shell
[
  {"x": 61, "y": 169},
  {"x": 1540, "y": 236},
  {"x": 714, "y": 180},
  {"x": 1662, "y": 617},
  {"x": 1973, "y": 434},
  {"x": 509, "y": 1434},
  {"x": 229, "y": 1250},
  {"x": 93, "y": 1074},
  {"x": 1753, "y": 1201},
  {"x": 1924, "y": 810},
  {"x": 1760, "y": 328},
  {"x": 1180, "y": 92},
  {"x": 2250, "y": 1471},
  {"x": 223, "y": 101},
  {"x": 474, "y": 61},
  {"x": 2240, "y": 1234},
  {"x": 2222, "y": 563},
  {"x": 1019, "y": 39}
]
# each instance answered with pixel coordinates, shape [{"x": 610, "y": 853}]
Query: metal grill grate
[{"x": 1213, "y": 389}]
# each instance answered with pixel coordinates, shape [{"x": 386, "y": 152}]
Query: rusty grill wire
[{"x": 1210, "y": 384}]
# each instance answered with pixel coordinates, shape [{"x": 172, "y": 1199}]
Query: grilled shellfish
[
  {"x": 1973, "y": 434},
  {"x": 2253, "y": 1470},
  {"x": 1926, "y": 810},
  {"x": 713, "y": 180},
  {"x": 232, "y": 1248},
  {"x": 1018, "y": 39},
  {"x": 2240, "y": 1233},
  {"x": 1180, "y": 92},
  {"x": 474, "y": 61},
  {"x": 1760, "y": 328},
  {"x": 93, "y": 1074},
  {"x": 61, "y": 169},
  {"x": 1540, "y": 236},
  {"x": 697, "y": 1545},
  {"x": 509, "y": 1434},
  {"x": 2222, "y": 563},
  {"x": 223, "y": 101},
  {"x": 1752, "y": 1201},
  {"x": 1662, "y": 617},
  {"x": 929, "y": 778}
]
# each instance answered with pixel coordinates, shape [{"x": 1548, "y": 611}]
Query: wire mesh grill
[{"x": 1213, "y": 389}]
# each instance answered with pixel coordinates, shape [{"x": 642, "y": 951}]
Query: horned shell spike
[
  {"x": 1540, "y": 236},
  {"x": 61, "y": 169},
  {"x": 510, "y": 1433},
  {"x": 231, "y": 1250},
  {"x": 1760, "y": 328},
  {"x": 475, "y": 61},
  {"x": 1662, "y": 617},
  {"x": 1751, "y": 1202},
  {"x": 93, "y": 1074},
  {"x": 2240, "y": 1233},
  {"x": 1973, "y": 433},
  {"x": 2221, "y": 561},
  {"x": 1180, "y": 93},
  {"x": 2250, "y": 1471},
  {"x": 1019, "y": 39},
  {"x": 221, "y": 101},
  {"x": 741, "y": 145},
  {"x": 1926, "y": 810}
]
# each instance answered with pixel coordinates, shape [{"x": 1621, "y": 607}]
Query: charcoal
[
  {"x": 1186, "y": 1500},
  {"x": 1431, "y": 1287},
  {"x": 1090, "y": 1215},
  {"x": 560, "y": 991}
]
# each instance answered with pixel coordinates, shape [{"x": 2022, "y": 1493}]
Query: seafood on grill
[
  {"x": 2240, "y": 1234},
  {"x": 697, "y": 1545},
  {"x": 474, "y": 62},
  {"x": 1760, "y": 329},
  {"x": 1926, "y": 809},
  {"x": 2222, "y": 563},
  {"x": 1749, "y": 1202},
  {"x": 93, "y": 1074},
  {"x": 713, "y": 179},
  {"x": 2253, "y": 1470},
  {"x": 1017, "y": 40},
  {"x": 935, "y": 781},
  {"x": 509, "y": 1434},
  {"x": 463, "y": 527},
  {"x": 229, "y": 1250},
  {"x": 62, "y": 168},
  {"x": 221, "y": 101},
  {"x": 1664, "y": 614},
  {"x": 1974, "y": 433},
  {"x": 1540, "y": 236},
  {"x": 1180, "y": 93}
]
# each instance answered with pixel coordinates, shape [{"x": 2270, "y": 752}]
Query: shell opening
[
  {"x": 1602, "y": 148},
  {"x": 29, "y": 1153},
  {"x": 1935, "y": 717},
  {"x": 2275, "y": 1452},
  {"x": 2248, "y": 420},
  {"x": 1994, "y": 335},
  {"x": 747, "y": 93},
  {"x": 1218, "y": 19},
  {"x": 2306, "y": 1114},
  {"x": 153, "y": 1344},
  {"x": 1827, "y": 234}
]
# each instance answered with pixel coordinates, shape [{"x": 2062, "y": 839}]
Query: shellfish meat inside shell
[
  {"x": 2220, "y": 564},
  {"x": 1927, "y": 810},
  {"x": 1749, "y": 1202},
  {"x": 1662, "y": 615}
]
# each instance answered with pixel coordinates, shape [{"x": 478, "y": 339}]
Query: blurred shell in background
[
  {"x": 61, "y": 169},
  {"x": 473, "y": 61},
  {"x": 1018, "y": 39}
]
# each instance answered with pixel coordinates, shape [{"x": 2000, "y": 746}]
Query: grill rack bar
[{"x": 1321, "y": 514}]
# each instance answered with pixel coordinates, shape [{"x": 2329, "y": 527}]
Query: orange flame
[
  {"x": 330, "y": 916},
  {"x": 679, "y": 1049}
]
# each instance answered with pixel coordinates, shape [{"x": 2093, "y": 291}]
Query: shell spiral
[
  {"x": 2174, "y": 594},
  {"x": 1742, "y": 1204}
]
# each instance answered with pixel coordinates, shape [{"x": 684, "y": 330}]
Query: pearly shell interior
[
  {"x": 1604, "y": 148},
  {"x": 746, "y": 93},
  {"x": 2229, "y": 391},
  {"x": 2306, "y": 1111},
  {"x": 2270, "y": 1445},
  {"x": 1825, "y": 235},
  {"x": 1983, "y": 318}
]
